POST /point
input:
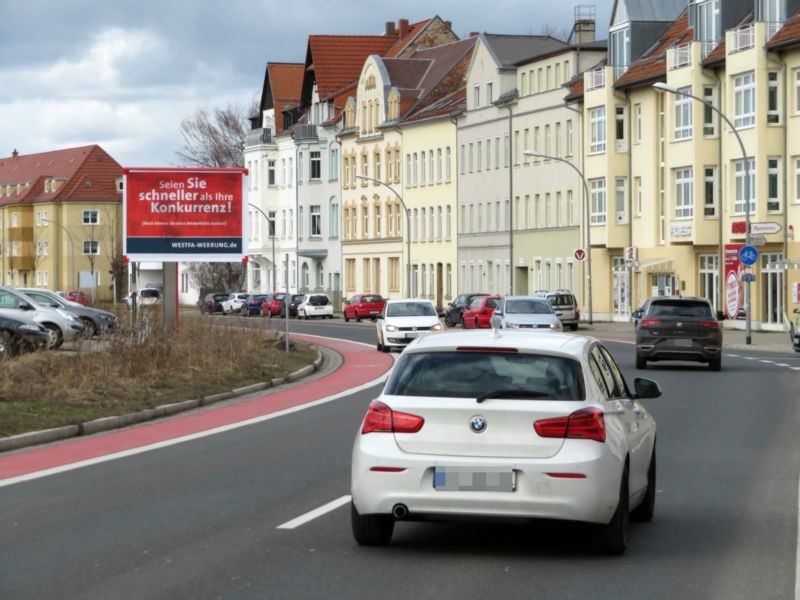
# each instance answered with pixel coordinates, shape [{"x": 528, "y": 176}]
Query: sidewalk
[{"x": 732, "y": 339}]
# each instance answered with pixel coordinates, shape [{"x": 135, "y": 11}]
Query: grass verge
[{"x": 118, "y": 375}]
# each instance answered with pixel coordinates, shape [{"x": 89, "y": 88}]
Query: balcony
[
  {"x": 680, "y": 56},
  {"x": 257, "y": 137},
  {"x": 741, "y": 39},
  {"x": 707, "y": 48},
  {"x": 595, "y": 79},
  {"x": 772, "y": 29},
  {"x": 305, "y": 132}
]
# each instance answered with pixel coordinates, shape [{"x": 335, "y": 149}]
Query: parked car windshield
[
  {"x": 471, "y": 374},
  {"x": 680, "y": 308},
  {"x": 561, "y": 300},
  {"x": 410, "y": 309},
  {"x": 149, "y": 293},
  {"x": 297, "y": 298},
  {"x": 528, "y": 307}
]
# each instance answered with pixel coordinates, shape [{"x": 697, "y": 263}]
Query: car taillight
[
  {"x": 650, "y": 322},
  {"x": 586, "y": 424},
  {"x": 382, "y": 419},
  {"x": 710, "y": 324}
]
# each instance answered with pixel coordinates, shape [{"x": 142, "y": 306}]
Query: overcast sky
[{"x": 124, "y": 74}]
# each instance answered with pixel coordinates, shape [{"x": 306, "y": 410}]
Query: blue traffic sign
[
  {"x": 751, "y": 277},
  {"x": 748, "y": 255}
]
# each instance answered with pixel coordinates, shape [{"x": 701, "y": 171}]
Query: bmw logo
[{"x": 477, "y": 424}]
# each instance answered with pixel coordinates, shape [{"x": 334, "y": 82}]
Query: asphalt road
[{"x": 200, "y": 519}]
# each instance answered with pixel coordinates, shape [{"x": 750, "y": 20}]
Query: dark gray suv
[{"x": 674, "y": 328}]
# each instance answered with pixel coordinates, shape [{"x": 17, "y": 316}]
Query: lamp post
[
  {"x": 408, "y": 226},
  {"x": 271, "y": 223},
  {"x": 587, "y": 216},
  {"x": 664, "y": 87},
  {"x": 47, "y": 221}
]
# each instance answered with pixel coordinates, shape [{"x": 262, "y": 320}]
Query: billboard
[
  {"x": 184, "y": 214},
  {"x": 734, "y": 296}
]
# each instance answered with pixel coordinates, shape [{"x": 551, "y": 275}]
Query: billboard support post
[{"x": 170, "y": 299}]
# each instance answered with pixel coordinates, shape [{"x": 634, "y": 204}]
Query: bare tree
[
  {"x": 217, "y": 277},
  {"x": 554, "y": 31},
  {"x": 216, "y": 138}
]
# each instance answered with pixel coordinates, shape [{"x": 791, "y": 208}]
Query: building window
[
  {"x": 301, "y": 226},
  {"x": 598, "y": 189},
  {"x": 742, "y": 192},
  {"x": 414, "y": 171},
  {"x": 489, "y": 98},
  {"x": 744, "y": 100},
  {"x": 597, "y": 129},
  {"x": 41, "y": 248},
  {"x": 683, "y": 115},
  {"x": 476, "y": 97},
  {"x": 773, "y": 98},
  {"x": 365, "y": 220},
  {"x": 301, "y": 163},
  {"x": 439, "y": 165},
  {"x": 638, "y": 192},
  {"x": 394, "y": 274},
  {"x": 333, "y": 167},
  {"x": 91, "y": 247},
  {"x": 316, "y": 220},
  {"x": 619, "y": 199},
  {"x": 797, "y": 180},
  {"x": 91, "y": 217},
  {"x": 422, "y": 168},
  {"x": 709, "y": 115},
  {"x": 270, "y": 172},
  {"x": 316, "y": 166},
  {"x": 448, "y": 222},
  {"x": 377, "y": 219},
  {"x": 709, "y": 278},
  {"x": 619, "y": 125},
  {"x": 447, "y": 163},
  {"x": 637, "y": 136},
  {"x": 568, "y": 141},
  {"x": 797, "y": 90},
  {"x": 333, "y": 219},
  {"x": 684, "y": 205},
  {"x": 773, "y": 185},
  {"x": 438, "y": 223},
  {"x": 377, "y": 173},
  {"x": 710, "y": 191}
]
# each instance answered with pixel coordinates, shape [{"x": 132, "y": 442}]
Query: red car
[
  {"x": 362, "y": 306},
  {"x": 479, "y": 312},
  {"x": 77, "y": 296},
  {"x": 272, "y": 305}
]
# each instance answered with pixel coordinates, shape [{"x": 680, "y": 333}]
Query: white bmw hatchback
[
  {"x": 403, "y": 321},
  {"x": 506, "y": 425}
]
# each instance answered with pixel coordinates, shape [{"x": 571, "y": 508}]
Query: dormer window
[
  {"x": 707, "y": 19},
  {"x": 620, "y": 49},
  {"x": 46, "y": 186}
]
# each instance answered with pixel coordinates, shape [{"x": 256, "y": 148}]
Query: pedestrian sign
[{"x": 748, "y": 255}]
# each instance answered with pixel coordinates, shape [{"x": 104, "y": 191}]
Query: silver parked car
[
  {"x": 525, "y": 312},
  {"x": 61, "y": 325},
  {"x": 565, "y": 305},
  {"x": 95, "y": 321}
]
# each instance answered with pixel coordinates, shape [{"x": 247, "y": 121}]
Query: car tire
[
  {"x": 715, "y": 364},
  {"x": 613, "y": 538},
  {"x": 89, "y": 328},
  {"x": 346, "y": 318},
  {"x": 356, "y": 317},
  {"x": 644, "y": 512},
  {"x": 574, "y": 327},
  {"x": 55, "y": 337},
  {"x": 641, "y": 362},
  {"x": 9, "y": 346},
  {"x": 448, "y": 320},
  {"x": 379, "y": 346},
  {"x": 371, "y": 530}
]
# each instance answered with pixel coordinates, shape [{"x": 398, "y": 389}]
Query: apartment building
[
  {"x": 60, "y": 215},
  {"x": 671, "y": 189}
]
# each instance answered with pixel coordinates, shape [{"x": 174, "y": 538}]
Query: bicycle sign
[{"x": 748, "y": 255}]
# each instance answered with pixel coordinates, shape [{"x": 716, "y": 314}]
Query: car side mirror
[
  {"x": 497, "y": 311},
  {"x": 637, "y": 314},
  {"x": 721, "y": 315},
  {"x": 646, "y": 388},
  {"x": 25, "y": 306}
]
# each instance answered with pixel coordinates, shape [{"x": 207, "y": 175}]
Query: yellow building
[
  {"x": 60, "y": 215},
  {"x": 669, "y": 192}
]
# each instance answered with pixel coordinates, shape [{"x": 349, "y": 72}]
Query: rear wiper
[{"x": 511, "y": 394}]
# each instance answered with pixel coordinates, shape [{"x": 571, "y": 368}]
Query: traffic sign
[
  {"x": 580, "y": 254},
  {"x": 766, "y": 228},
  {"x": 758, "y": 240},
  {"x": 748, "y": 277},
  {"x": 748, "y": 255}
]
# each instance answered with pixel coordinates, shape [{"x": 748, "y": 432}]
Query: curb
[{"x": 44, "y": 436}]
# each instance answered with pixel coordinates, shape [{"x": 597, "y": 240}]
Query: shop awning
[
  {"x": 656, "y": 265},
  {"x": 313, "y": 253}
]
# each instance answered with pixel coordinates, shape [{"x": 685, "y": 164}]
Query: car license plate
[
  {"x": 468, "y": 479},
  {"x": 683, "y": 343},
  {"x": 374, "y": 312},
  {"x": 411, "y": 334}
]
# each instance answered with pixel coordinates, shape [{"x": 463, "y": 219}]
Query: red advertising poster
[
  {"x": 184, "y": 214},
  {"x": 734, "y": 292}
]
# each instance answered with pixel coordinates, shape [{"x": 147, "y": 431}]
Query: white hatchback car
[
  {"x": 234, "y": 303},
  {"x": 503, "y": 424},
  {"x": 403, "y": 321},
  {"x": 315, "y": 305}
]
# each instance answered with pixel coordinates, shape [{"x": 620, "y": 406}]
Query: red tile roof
[
  {"x": 88, "y": 173},
  {"x": 450, "y": 104},
  {"x": 338, "y": 59},
  {"x": 653, "y": 65},
  {"x": 402, "y": 43},
  {"x": 717, "y": 55},
  {"x": 788, "y": 35},
  {"x": 575, "y": 90},
  {"x": 285, "y": 81}
]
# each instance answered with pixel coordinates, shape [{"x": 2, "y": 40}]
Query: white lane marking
[
  {"x": 313, "y": 514},
  {"x": 194, "y": 436},
  {"x": 749, "y": 358},
  {"x": 771, "y": 362},
  {"x": 733, "y": 355},
  {"x": 795, "y": 368},
  {"x": 781, "y": 365}
]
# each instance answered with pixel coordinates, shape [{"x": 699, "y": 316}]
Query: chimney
[
  {"x": 14, "y": 154},
  {"x": 390, "y": 30},
  {"x": 474, "y": 34},
  {"x": 583, "y": 31},
  {"x": 449, "y": 25},
  {"x": 403, "y": 25}
]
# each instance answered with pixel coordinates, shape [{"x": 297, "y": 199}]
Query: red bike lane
[{"x": 361, "y": 365}]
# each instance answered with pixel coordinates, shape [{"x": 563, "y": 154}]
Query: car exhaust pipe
[{"x": 400, "y": 511}]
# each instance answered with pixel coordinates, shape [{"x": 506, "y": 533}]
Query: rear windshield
[
  {"x": 372, "y": 299},
  {"x": 476, "y": 302},
  {"x": 493, "y": 302},
  {"x": 298, "y": 298},
  {"x": 561, "y": 300},
  {"x": 470, "y": 374},
  {"x": 680, "y": 308},
  {"x": 318, "y": 300},
  {"x": 528, "y": 307},
  {"x": 150, "y": 293},
  {"x": 279, "y": 296},
  {"x": 410, "y": 309}
]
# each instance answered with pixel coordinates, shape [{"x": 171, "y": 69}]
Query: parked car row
[
  {"x": 303, "y": 306},
  {"x": 475, "y": 310}
]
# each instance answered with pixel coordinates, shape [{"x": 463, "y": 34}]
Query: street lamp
[
  {"x": 664, "y": 87},
  {"x": 47, "y": 221},
  {"x": 408, "y": 226},
  {"x": 271, "y": 223},
  {"x": 586, "y": 214}
]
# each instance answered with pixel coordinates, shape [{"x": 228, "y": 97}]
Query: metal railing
[
  {"x": 706, "y": 48},
  {"x": 305, "y": 132},
  {"x": 619, "y": 71},
  {"x": 773, "y": 28},
  {"x": 595, "y": 79},
  {"x": 740, "y": 39},
  {"x": 680, "y": 56}
]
